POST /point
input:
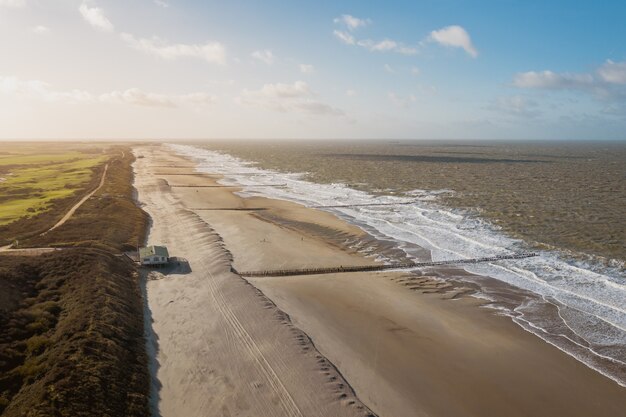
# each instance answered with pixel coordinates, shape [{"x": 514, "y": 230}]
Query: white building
[{"x": 154, "y": 255}]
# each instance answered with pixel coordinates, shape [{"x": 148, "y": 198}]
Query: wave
[{"x": 579, "y": 307}]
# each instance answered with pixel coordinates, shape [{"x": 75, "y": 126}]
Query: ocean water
[{"x": 576, "y": 305}]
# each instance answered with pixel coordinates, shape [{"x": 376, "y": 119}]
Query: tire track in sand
[{"x": 286, "y": 400}]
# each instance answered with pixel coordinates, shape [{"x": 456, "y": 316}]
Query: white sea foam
[{"x": 594, "y": 297}]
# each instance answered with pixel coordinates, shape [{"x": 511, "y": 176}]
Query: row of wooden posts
[{"x": 382, "y": 267}]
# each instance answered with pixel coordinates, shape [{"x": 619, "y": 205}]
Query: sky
[{"x": 410, "y": 69}]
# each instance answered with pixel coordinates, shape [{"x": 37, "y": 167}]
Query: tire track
[
  {"x": 278, "y": 387},
  {"x": 242, "y": 336}
]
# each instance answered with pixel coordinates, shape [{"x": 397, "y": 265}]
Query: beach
[{"x": 389, "y": 344}]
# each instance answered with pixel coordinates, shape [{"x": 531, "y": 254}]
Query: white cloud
[
  {"x": 306, "y": 68},
  {"x": 12, "y": 4},
  {"x": 296, "y": 97},
  {"x": 388, "y": 68},
  {"x": 351, "y": 93},
  {"x": 351, "y": 22},
  {"x": 41, "y": 91},
  {"x": 415, "y": 71},
  {"x": 454, "y": 36},
  {"x": 402, "y": 101},
  {"x": 516, "y": 106},
  {"x": 264, "y": 55},
  {"x": 344, "y": 37},
  {"x": 613, "y": 72},
  {"x": 212, "y": 52},
  {"x": 138, "y": 97},
  {"x": 280, "y": 90},
  {"x": 41, "y": 30},
  {"x": 317, "y": 108},
  {"x": 451, "y": 36},
  {"x": 200, "y": 99},
  {"x": 552, "y": 81},
  {"x": 406, "y": 50},
  {"x": 386, "y": 45},
  {"x": 607, "y": 82},
  {"x": 95, "y": 17},
  {"x": 161, "y": 3}
]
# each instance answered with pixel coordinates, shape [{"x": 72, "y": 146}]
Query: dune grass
[
  {"x": 71, "y": 321},
  {"x": 71, "y": 336}
]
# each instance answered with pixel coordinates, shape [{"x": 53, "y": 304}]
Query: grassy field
[
  {"x": 109, "y": 220},
  {"x": 31, "y": 181}
]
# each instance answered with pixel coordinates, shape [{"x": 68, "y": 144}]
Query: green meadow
[{"x": 32, "y": 178}]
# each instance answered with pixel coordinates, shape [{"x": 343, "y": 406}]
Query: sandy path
[
  {"x": 404, "y": 352},
  {"x": 75, "y": 207},
  {"x": 6, "y": 250},
  {"x": 222, "y": 348},
  {"x": 66, "y": 217}
]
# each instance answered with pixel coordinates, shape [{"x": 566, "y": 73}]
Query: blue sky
[{"x": 503, "y": 69}]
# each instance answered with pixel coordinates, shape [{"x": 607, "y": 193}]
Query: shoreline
[
  {"x": 331, "y": 311},
  {"x": 552, "y": 298},
  {"x": 222, "y": 347}
]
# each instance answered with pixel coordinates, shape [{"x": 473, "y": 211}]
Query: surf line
[
  {"x": 227, "y": 186},
  {"x": 406, "y": 203}
]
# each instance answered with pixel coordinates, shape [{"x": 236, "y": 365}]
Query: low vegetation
[
  {"x": 109, "y": 220},
  {"x": 31, "y": 183},
  {"x": 71, "y": 321},
  {"x": 71, "y": 336}
]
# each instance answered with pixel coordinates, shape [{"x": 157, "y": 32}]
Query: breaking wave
[{"x": 577, "y": 306}]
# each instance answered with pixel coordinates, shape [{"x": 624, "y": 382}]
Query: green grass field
[{"x": 31, "y": 178}]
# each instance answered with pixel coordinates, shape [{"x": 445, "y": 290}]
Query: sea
[{"x": 564, "y": 201}]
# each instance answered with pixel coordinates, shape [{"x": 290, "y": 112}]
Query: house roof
[{"x": 154, "y": 250}]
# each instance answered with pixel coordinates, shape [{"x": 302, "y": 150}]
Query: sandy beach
[{"x": 327, "y": 345}]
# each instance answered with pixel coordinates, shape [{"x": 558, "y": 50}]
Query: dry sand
[
  {"x": 225, "y": 349},
  {"x": 221, "y": 348}
]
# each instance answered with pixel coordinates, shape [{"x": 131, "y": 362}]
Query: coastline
[
  {"x": 432, "y": 355},
  {"x": 576, "y": 307},
  {"x": 222, "y": 347}
]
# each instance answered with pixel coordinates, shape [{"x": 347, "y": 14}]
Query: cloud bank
[
  {"x": 266, "y": 56},
  {"x": 451, "y": 36},
  {"x": 351, "y": 22},
  {"x": 211, "y": 52},
  {"x": 608, "y": 81},
  {"x": 96, "y": 18},
  {"x": 12, "y": 4},
  {"x": 42, "y": 91},
  {"x": 286, "y": 98}
]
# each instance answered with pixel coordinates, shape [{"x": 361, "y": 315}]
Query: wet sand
[{"x": 406, "y": 350}]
